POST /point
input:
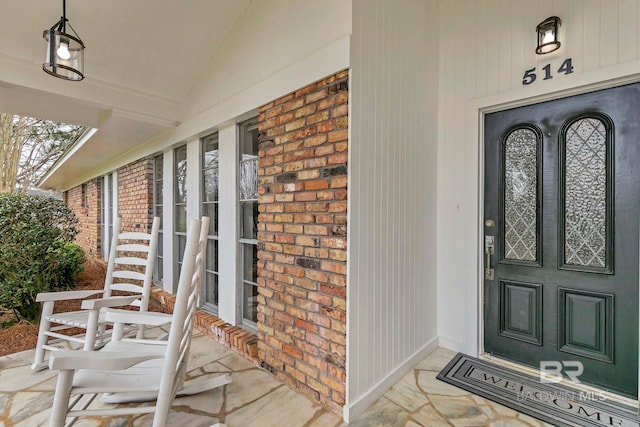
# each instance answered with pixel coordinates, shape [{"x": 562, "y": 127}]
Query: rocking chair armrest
[
  {"x": 149, "y": 318},
  {"x": 117, "y": 301},
  {"x": 66, "y": 295},
  {"x": 104, "y": 361}
]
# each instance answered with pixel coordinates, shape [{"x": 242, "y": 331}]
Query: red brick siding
[
  {"x": 88, "y": 216},
  {"x": 302, "y": 173},
  {"x": 135, "y": 194}
]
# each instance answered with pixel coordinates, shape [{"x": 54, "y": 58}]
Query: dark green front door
[{"x": 562, "y": 199}]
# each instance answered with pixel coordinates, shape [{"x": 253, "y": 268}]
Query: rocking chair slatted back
[
  {"x": 184, "y": 317},
  {"x": 147, "y": 369}
]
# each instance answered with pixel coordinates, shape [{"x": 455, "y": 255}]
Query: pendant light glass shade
[{"x": 64, "y": 53}]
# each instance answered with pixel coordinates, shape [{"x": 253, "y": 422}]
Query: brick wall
[
  {"x": 135, "y": 194},
  {"x": 302, "y": 174},
  {"x": 88, "y": 216}
]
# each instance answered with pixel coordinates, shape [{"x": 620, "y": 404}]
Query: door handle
[{"x": 489, "y": 245}]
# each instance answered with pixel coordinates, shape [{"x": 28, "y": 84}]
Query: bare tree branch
[{"x": 29, "y": 147}]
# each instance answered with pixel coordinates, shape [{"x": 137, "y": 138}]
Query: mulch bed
[{"x": 23, "y": 336}]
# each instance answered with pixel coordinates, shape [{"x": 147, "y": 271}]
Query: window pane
[
  {"x": 210, "y": 185},
  {"x": 182, "y": 244},
  {"x": 180, "y": 170},
  {"x": 157, "y": 211},
  {"x": 181, "y": 188},
  {"x": 249, "y": 140},
  {"x": 250, "y": 304},
  {"x": 521, "y": 195},
  {"x": 210, "y": 145},
  {"x": 181, "y": 219},
  {"x": 212, "y": 255},
  {"x": 249, "y": 179},
  {"x": 249, "y": 220},
  {"x": 250, "y": 258},
  {"x": 159, "y": 162},
  {"x": 211, "y": 210},
  {"x": 158, "y": 192},
  {"x": 211, "y": 288},
  {"x": 160, "y": 249},
  {"x": 586, "y": 193}
]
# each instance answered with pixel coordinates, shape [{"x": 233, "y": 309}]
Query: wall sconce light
[
  {"x": 64, "y": 53},
  {"x": 548, "y": 35}
]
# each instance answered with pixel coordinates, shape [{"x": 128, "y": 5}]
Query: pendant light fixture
[{"x": 64, "y": 52}]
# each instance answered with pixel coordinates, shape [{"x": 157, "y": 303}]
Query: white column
[
  {"x": 228, "y": 293},
  {"x": 167, "y": 220}
]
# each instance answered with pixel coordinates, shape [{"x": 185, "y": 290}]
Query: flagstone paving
[{"x": 255, "y": 398}]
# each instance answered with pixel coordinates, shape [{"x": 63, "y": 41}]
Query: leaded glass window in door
[
  {"x": 586, "y": 194},
  {"x": 521, "y": 222}
]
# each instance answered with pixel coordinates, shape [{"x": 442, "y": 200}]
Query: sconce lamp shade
[
  {"x": 64, "y": 55},
  {"x": 548, "y": 35}
]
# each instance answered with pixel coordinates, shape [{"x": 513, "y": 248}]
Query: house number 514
[{"x": 530, "y": 75}]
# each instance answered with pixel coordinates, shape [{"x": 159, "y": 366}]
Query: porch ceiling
[{"x": 142, "y": 59}]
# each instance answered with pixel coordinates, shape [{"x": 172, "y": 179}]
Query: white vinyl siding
[{"x": 391, "y": 292}]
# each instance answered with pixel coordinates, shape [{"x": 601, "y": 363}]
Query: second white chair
[
  {"x": 133, "y": 370},
  {"x": 129, "y": 253}
]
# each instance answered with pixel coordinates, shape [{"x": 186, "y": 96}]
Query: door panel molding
[
  {"x": 574, "y": 307},
  {"x": 521, "y": 311}
]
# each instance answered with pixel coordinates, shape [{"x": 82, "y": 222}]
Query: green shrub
[
  {"x": 72, "y": 263},
  {"x": 36, "y": 253}
]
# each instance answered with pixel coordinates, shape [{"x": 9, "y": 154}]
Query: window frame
[
  {"x": 243, "y": 129},
  {"x": 213, "y": 239},
  {"x": 178, "y": 235},
  {"x": 158, "y": 207}
]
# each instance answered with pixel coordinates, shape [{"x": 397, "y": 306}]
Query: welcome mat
[{"x": 553, "y": 403}]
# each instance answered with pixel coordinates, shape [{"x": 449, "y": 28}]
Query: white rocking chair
[
  {"x": 137, "y": 370},
  {"x": 126, "y": 254}
]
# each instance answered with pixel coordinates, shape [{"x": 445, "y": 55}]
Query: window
[
  {"x": 209, "y": 207},
  {"x": 85, "y": 196},
  {"x": 158, "y": 163},
  {"x": 180, "y": 208},
  {"x": 248, "y": 220},
  {"x": 107, "y": 204}
]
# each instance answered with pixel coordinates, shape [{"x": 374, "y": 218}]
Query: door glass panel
[
  {"x": 585, "y": 192},
  {"x": 521, "y": 195}
]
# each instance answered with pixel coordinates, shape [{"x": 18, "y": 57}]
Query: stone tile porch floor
[{"x": 256, "y": 398}]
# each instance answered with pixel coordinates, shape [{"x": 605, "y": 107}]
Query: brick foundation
[
  {"x": 302, "y": 173},
  {"x": 233, "y": 337}
]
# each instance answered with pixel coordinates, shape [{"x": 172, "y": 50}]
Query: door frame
[{"x": 475, "y": 112}]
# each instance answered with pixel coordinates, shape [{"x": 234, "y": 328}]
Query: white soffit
[
  {"x": 155, "y": 48},
  {"x": 142, "y": 58},
  {"x": 115, "y": 136}
]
